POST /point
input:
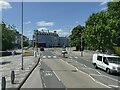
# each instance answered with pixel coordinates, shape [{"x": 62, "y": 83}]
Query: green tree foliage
[
  {"x": 97, "y": 33},
  {"x": 8, "y": 37},
  {"x": 75, "y": 37},
  {"x": 25, "y": 43},
  {"x": 114, "y": 20}
]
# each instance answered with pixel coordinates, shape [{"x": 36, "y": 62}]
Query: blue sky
[{"x": 59, "y": 16}]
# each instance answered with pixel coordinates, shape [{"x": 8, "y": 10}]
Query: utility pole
[
  {"x": 81, "y": 46},
  {"x": 22, "y": 36}
]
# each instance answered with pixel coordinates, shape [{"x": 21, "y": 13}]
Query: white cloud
[
  {"x": 105, "y": 2},
  {"x": 5, "y": 5},
  {"x": 40, "y": 29},
  {"x": 105, "y": 8},
  {"x": 28, "y": 22},
  {"x": 44, "y": 23},
  {"x": 60, "y": 32}
]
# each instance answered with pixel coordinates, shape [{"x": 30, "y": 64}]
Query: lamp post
[
  {"x": 22, "y": 36},
  {"x": 81, "y": 46}
]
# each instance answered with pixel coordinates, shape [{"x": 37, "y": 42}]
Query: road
[
  {"x": 69, "y": 73},
  {"x": 87, "y": 67}
]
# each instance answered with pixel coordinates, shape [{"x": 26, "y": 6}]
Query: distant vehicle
[
  {"x": 109, "y": 63},
  {"x": 41, "y": 49}
]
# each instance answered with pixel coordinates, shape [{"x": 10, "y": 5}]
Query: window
[
  {"x": 99, "y": 58},
  {"x": 105, "y": 60}
]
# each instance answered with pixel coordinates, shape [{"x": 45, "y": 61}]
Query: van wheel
[
  {"x": 108, "y": 71},
  {"x": 95, "y": 65}
]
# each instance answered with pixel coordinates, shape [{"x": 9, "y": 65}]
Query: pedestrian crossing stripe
[
  {"x": 49, "y": 57},
  {"x": 44, "y": 56},
  {"x": 73, "y": 57},
  {"x": 76, "y": 57},
  {"x": 54, "y": 57}
]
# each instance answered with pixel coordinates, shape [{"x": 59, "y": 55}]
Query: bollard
[
  {"x": 12, "y": 77},
  {"x": 3, "y": 85},
  {"x": 35, "y": 54}
]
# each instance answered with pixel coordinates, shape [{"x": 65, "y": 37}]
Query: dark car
[{"x": 41, "y": 49}]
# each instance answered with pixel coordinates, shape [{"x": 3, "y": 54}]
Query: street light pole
[
  {"x": 81, "y": 46},
  {"x": 22, "y": 37}
]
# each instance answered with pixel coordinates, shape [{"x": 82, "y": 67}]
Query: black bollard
[
  {"x": 3, "y": 85},
  {"x": 12, "y": 77}
]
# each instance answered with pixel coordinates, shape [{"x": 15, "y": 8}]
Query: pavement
[{"x": 13, "y": 63}]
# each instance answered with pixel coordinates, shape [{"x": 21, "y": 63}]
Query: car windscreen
[{"x": 115, "y": 60}]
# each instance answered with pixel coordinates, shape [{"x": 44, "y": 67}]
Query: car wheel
[
  {"x": 95, "y": 66},
  {"x": 108, "y": 71}
]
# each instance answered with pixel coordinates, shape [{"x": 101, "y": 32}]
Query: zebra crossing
[
  {"x": 54, "y": 57},
  {"x": 73, "y": 57},
  {"x": 49, "y": 57}
]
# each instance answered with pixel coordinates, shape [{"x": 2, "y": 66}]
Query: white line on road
[
  {"x": 44, "y": 56},
  {"x": 49, "y": 56},
  {"x": 76, "y": 57},
  {"x": 54, "y": 57},
  {"x": 98, "y": 82},
  {"x": 114, "y": 86},
  {"x": 88, "y": 75},
  {"x": 56, "y": 76}
]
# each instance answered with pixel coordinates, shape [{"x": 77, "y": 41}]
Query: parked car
[
  {"x": 109, "y": 63},
  {"x": 41, "y": 49}
]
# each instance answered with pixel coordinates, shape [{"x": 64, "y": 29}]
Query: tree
[
  {"x": 97, "y": 34},
  {"x": 114, "y": 20},
  {"x": 75, "y": 37},
  {"x": 8, "y": 37}
]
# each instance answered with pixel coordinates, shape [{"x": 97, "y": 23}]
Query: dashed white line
[{"x": 88, "y": 75}]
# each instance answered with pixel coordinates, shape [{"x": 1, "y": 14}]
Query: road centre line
[
  {"x": 56, "y": 76},
  {"x": 88, "y": 75}
]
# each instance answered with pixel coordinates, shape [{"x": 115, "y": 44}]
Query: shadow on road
[{"x": 6, "y": 62}]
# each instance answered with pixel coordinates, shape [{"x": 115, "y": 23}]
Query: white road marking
[
  {"x": 49, "y": 56},
  {"x": 70, "y": 57},
  {"x": 76, "y": 57},
  {"x": 56, "y": 76},
  {"x": 48, "y": 74},
  {"x": 99, "y": 82},
  {"x": 88, "y": 75},
  {"x": 114, "y": 86},
  {"x": 54, "y": 57},
  {"x": 44, "y": 56}
]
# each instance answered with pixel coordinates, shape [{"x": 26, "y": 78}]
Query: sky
[{"x": 53, "y": 16}]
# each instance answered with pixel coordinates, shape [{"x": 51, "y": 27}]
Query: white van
[{"x": 109, "y": 63}]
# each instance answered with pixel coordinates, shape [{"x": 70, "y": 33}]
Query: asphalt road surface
[{"x": 63, "y": 74}]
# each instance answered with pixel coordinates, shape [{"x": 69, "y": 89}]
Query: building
[
  {"x": 45, "y": 39},
  {"x": 63, "y": 41},
  {"x": 48, "y": 39}
]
